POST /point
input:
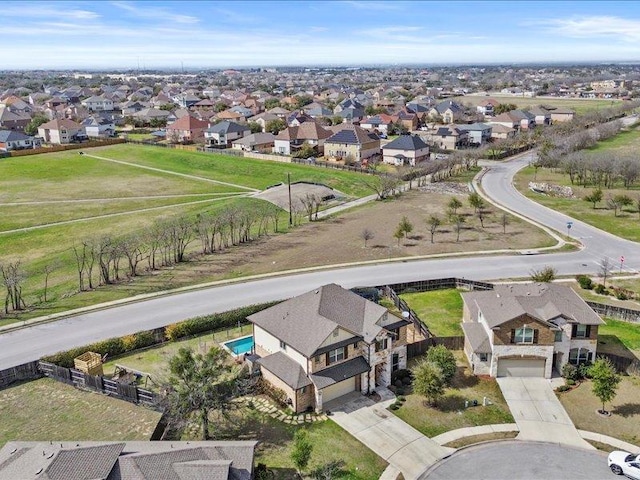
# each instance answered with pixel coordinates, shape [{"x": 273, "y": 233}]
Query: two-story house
[
  {"x": 478, "y": 133},
  {"x": 405, "y": 150},
  {"x": 291, "y": 139},
  {"x": 525, "y": 330},
  {"x": 327, "y": 343},
  {"x": 12, "y": 140},
  {"x": 352, "y": 143},
  {"x": 98, "y": 104},
  {"x": 61, "y": 131},
  {"x": 222, "y": 134},
  {"x": 187, "y": 129}
]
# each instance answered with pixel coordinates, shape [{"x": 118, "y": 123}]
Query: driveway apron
[
  {"x": 538, "y": 413},
  {"x": 404, "y": 447}
]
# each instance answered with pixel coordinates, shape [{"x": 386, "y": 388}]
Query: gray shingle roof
[
  {"x": 304, "y": 322},
  {"x": 406, "y": 142},
  {"x": 543, "y": 301},
  {"x": 286, "y": 369},
  {"x": 477, "y": 337},
  {"x": 340, "y": 372},
  {"x": 89, "y": 463},
  {"x": 12, "y": 136},
  {"x": 227, "y": 127}
]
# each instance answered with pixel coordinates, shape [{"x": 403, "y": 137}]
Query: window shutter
[
  {"x": 535, "y": 335},
  {"x": 326, "y": 358},
  {"x": 513, "y": 335},
  {"x": 574, "y": 329},
  {"x": 588, "y": 334},
  {"x": 346, "y": 352}
]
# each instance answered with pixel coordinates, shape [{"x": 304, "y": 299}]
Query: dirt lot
[{"x": 279, "y": 195}]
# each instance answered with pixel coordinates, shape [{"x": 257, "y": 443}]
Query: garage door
[
  {"x": 338, "y": 389},
  {"x": 520, "y": 367}
]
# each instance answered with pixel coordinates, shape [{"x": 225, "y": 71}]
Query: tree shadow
[
  {"x": 378, "y": 246},
  {"x": 627, "y": 409},
  {"x": 461, "y": 380},
  {"x": 451, "y": 403},
  {"x": 415, "y": 237}
]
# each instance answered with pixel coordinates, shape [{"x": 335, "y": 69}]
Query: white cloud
[
  {"x": 596, "y": 26},
  {"x": 148, "y": 12},
  {"x": 28, "y": 10}
]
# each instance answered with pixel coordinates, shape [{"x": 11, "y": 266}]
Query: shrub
[
  {"x": 584, "y": 370},
  {"x": 399, "y": 391},
  {"x": 394, "y": 406},
  {"x": 563, "y": 388},
  {"x": 445, "y": 360},
  {"x": 276, "y": 394},
  {"x": 407, "y": 381},
  {"x": 398, "y": 383},
  {"x": 401, "y": 398},
  {"x": 569, "y": 372},
  {"x": 569, "y": 382},
  {"x": 585, "y": 282},
  {"x": 400, "y": 375},
  {"x": 601, "y": 289}
]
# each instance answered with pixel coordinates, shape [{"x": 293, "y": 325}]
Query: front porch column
[{"x": 318, "y": 396}]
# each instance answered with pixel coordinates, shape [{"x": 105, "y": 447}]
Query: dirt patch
[{"x": 279, "y": 195}]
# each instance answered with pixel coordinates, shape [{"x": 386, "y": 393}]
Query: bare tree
[
  {"x": 366, "y": 235},
  {"x": 433, "y": 222},
  {"x": 310, "y": 203},
  {"x": 132, "y": 247},
  {"x": 382, "y": 185},
  {"x": 605, "y": 267},
  {"x": 504, "y": 221},
  {"x": 13, "y": 276},
  {"x": 47, "y": 270}
]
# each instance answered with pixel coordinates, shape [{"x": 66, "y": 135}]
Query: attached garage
[
  {"x": 521, "y": 367},
  {"x": 338, "y": 389}
]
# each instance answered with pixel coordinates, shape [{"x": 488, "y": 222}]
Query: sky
[{"x": 212, "y": 34}]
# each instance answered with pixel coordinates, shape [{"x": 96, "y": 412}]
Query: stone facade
[{"x": 522, "y": 351}]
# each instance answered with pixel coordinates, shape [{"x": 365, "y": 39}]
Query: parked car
[{"x": 624, "y": 463}]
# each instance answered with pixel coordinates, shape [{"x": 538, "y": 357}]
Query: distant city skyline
[{"x": 176, "y": 35}]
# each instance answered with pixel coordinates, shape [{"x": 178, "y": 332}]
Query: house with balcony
[
  {"x": 327, "y": 343},
  {"x": 291, "y": 139},
  {"x": 99, "y": 127},
  {"x": 478, "y": 133},
  {"x": 527, "y": 330},
  {"x": 352, "y": 143}
]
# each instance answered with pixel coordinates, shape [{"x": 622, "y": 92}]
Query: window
[
  {"x": 283, "y": 345},
  {"x": 579, "y": 355},
  {"x": 483, "y": 357},
  {"x": 336, "y": 355},
  {"x": 581, "y": 331},
  {"x": 318, "y": 359},
  {"x": 558, "y": 336},
  {"x": 395, "y": 362},
  {"x": 303, "y": 390},
  {"x": 523, "y": 335},
  {"x": 381, "y": 345}
]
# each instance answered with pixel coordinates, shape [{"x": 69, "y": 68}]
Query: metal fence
[{"x": 71, "y": 376}]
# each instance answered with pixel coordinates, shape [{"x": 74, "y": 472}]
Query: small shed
[{"x": 89, "y": 362}]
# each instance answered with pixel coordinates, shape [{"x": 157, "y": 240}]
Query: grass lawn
[
  {"x": 579, "y": 105},
  {"x": 440, "y": 310},
  {"x": 451, "y": 414},
  {"x": 155, "y": 360},
  {"x": 226, "y": 168},
  {"x": 330, "y": 443},
  {"x": 626, "y": 333},
  {"x": 581, "y": 405},
  {"x": 45, "y": 409}
]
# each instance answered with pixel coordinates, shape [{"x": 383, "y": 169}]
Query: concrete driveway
[
  {"x": 401, "y": 445},
  {"x": 538, "y": 413}
]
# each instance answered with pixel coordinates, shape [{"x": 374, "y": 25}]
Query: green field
[
  {"x": 440, "y": 310},
  {"x": 71, "y": 197},
  {"x": 579, "y": 105}
]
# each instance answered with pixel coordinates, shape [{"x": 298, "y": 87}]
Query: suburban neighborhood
[{"x": 319, "y": 240}]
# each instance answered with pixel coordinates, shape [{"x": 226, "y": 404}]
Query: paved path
[
  {"x": 404, "y": 447},
  {"x": 538, "y": 413}
]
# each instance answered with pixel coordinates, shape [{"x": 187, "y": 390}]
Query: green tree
[
  {"x": 453, "y": 205},
  {"x": 618, "y": 202},
  {"x": 544, "y": 275},
  {"x": 303, "y": 100},
  {"x": 301, "y": 450},
  {"x": 255, "y": 127},
  {"x": 443, "y": 358},
  {"x": 428, "y": 381},
  {"x": 305, "y": 151},
  {"x": 504, "y": 107},
  {"x": 202, "y": 384},
  {"x": 433, "y": 222},
  {"x": 274, "y": 126},
  {"x": 220, "y": 107},
  {"x": 458, "y": 222},
  {"x": 476, "y": 201},
  {"x": 37, "y": 120},
  {"x": 405, "y": 226},
  {"x": 398, "y": 235},
  {"x": 594, "y": 197},
  {"x": 604, "y": 380},
  {"x": 271, "y": 103}
]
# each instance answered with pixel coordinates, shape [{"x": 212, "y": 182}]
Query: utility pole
[{"x": 290, "y": 212}]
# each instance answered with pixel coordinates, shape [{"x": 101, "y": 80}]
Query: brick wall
[{"x": 503, "y": 335}]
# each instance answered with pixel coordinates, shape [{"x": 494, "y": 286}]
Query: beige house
[
  {"x": 526, "y": 330},
  {"x": 352, "y": 143},
  {"x": 187, "y": 129},
  {"x": 327, "y": 343},
  {"x": 405, "y": 150},
  {"x": 61, "y": 131}
]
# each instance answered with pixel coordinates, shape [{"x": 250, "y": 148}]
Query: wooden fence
[
  {"x": 130, "y": 393},
  {"x": 619, "y": 313},
  {"x": 420, "y": 347},
  {"x": 62, "y": 148},
  {"x": 630, "y": 366},
  {"x": 27, "y": 371}
]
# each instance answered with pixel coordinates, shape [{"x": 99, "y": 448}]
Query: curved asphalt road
[{"x": 21, "y": 346}]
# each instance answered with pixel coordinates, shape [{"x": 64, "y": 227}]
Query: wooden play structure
[{"x": 89, "y": 362}]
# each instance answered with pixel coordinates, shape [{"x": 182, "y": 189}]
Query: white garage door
[
  {"x": 338, "y": 389},
  {"x": 517, "y": 367}
]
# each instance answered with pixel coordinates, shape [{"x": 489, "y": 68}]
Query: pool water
[{"x": 240, "y": 345}]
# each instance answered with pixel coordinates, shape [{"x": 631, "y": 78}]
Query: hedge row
[{"x": 193, "y": 326}]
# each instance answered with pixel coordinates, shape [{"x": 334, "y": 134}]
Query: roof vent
[
  {"x": 39, "y": 471},
  {"x": 13, "y": 451}
]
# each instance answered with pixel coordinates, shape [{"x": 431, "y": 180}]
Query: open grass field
[
  {"x": 579, "y": 105},
  {"x": 45, "y": 409},
  {"x": 440, "y": 310},
  {"x": 450, "y": 413},
  {"x": 624, "y": 423}
]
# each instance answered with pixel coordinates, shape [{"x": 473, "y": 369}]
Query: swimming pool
[{"x": 240, "y": 346}]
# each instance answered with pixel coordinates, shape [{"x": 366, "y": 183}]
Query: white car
[{"x": 625, "y": 463}]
